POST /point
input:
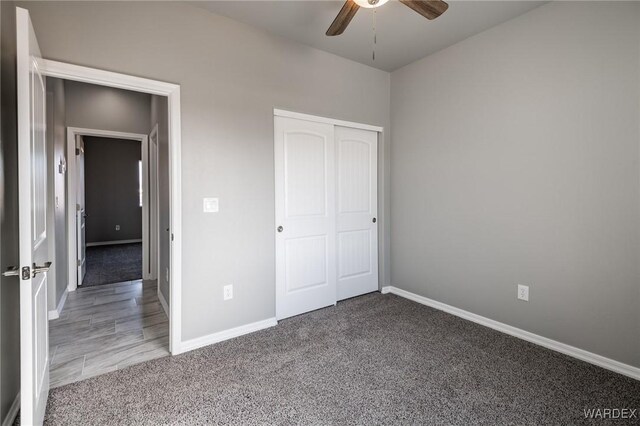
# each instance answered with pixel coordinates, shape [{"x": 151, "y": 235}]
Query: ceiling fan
[{"x": 430, "y": 9}]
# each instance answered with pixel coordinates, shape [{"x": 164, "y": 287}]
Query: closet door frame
[{"x": 336, "y": 123}]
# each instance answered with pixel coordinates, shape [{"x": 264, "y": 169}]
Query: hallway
[{"x": 105, "y": 328}]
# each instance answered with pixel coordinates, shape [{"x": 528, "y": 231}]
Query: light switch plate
[{"x": 210, "y": 205}]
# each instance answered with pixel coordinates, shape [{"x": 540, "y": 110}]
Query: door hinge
[
  {"x": 26, "y": 273},
  {"x": 77, "y": 151},
  {"x": 171, "y": 237},
  {"x": 78, "y": 262}
]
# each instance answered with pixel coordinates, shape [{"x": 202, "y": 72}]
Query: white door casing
[
  {"x": 305, "y": 216},
  {"x": 81, "y": 214},
  {"x": 32, "y": 198},
  {"x": 76, "y": 195},
  {"x": 357, "y": 205},
  {"x": 172, "y": 92}
]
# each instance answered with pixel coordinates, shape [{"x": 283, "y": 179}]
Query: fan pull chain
[{"x": 375, "y": 38}]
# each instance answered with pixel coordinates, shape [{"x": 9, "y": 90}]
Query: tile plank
[{"x": 141, "y": 322}]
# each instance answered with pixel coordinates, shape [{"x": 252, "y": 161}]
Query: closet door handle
[
  {"x": 280, "y": 229},
  {"x": 374, "y": 220}
]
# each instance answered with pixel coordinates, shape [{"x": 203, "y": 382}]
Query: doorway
[
  {"x": 115, "y": 221},
  {"x": 170, "y": 216},
  {"x": 108, "y": 190}
]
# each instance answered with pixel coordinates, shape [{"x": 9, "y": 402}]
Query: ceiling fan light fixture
[{"x": 370, "y": 4}]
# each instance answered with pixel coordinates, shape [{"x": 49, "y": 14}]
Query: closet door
[
  {"x": 357, "y": 230},
  {"x": 305, "y": 216}
]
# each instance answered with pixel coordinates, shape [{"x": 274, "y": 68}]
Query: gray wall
[
  {"x": 9, "y": 287},
  {"x": 111, "y": 189},
  {"x": 159, "y": 116},
  {"x": 56, "y": 217},
  {"x": 228, "y": 94},
  {"x": 515, "y": 159},
  {"x": 105, "y": 108}
]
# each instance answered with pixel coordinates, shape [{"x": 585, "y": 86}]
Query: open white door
[
  {"x": 154, "y": 209},
  {"x": 32, "y": 185},
  {"x": 81, "y": 215}
]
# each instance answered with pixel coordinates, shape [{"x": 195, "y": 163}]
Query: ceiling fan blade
[
  {"x": 430, "y": 9},
  {"x": 345, "y": 16}
]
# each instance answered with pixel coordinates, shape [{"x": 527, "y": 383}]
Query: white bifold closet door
[{"x": 326, "y": 235}]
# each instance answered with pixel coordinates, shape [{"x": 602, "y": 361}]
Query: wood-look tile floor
[{"x": 107, "y": 327}]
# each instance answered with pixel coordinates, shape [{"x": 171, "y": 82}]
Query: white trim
[
  {"x": 175, "y": 220},
  {"x": 220, "y": 336},
  {"x": 13, "y": 412},
  {"x": 109, "y": 243},
  {"x": 318, "y": 119},
  {"x": 163, "y": 302},
  {"x": 172, "y": 92},
  {"x": 107, "y": 78},
  {"x": 572, "y": 351},
  {"x": 55, "y": 314}
]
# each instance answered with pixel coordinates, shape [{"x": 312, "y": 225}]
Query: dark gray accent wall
[
  {"x": 111, "y": 189},
  {"x": 9, "y": 287}
]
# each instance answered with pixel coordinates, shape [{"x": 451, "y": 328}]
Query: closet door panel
[
  {"x": 305, "y": 216},
  {"x": 357, "y": 230}
]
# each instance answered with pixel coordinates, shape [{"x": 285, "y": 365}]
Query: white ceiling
[{"x": 403, "y": 35}]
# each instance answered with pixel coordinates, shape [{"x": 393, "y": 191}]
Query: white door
[
  {"x": 357, "y": 202},
  {"x": 32, "y": 186},
  {"x": 81, "y": 214},
  {"x": 305, "y": 216},
  {"x": 153, "y": 204}
]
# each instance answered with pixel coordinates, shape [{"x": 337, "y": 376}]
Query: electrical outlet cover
[
  {"x": 523, "y": 292},
  {"x": 227, "y": 292}
]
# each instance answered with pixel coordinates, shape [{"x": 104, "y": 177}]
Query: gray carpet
[
  {"x": 113, "y": 264},
  {"x": 375, "y": 359}
]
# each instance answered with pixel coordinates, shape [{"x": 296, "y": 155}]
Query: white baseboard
[
  {"x": 55, "y": 314},
  {"x": 108, "y": 243},
  {"x": 164, "y": 303},
  {"x": 220, "y": 336},
  {"x": 13, "y": 412},
  {"x": 581, "y": 354}
]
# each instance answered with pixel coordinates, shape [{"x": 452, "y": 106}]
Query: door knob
[
  {"x": 374, "y": 220},
  {"x": 12, "y": 271},
  {"x": 280, "y": 229},
  {"x": 39, "y": 269}
]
